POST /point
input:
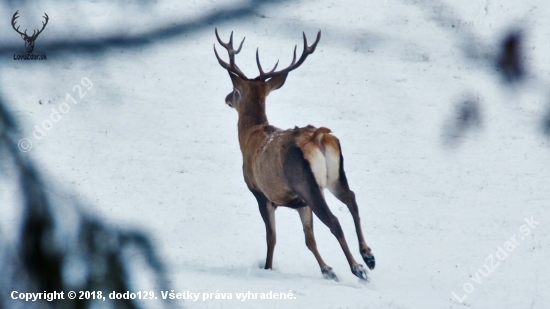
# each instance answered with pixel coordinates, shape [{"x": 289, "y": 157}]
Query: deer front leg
[
  {"x": 267, "y": 210},
  {"x": 307, "y": 223}
]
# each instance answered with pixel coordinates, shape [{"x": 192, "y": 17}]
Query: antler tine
[
  {"x": 229, "y": 45},
  {"x": 47, "y": 19},
  {"x": 222, "y": 63},
  {"x": 258, "y": 62},
  {"x": 231, "y": 66},
  {"x": 43, "y": 25},
  {"x": 308, "y": 50},
  {"x": 240, "y": 46},
  {"x": 226, "y": 45},
  {"x": 276, "y": 64},
  {"x": 13, "y": 22},
  {"x": 294, "y": 57},
  {"x": 262, "y": 73}
]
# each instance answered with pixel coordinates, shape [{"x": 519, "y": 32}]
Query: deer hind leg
[
  {"x": 267, "y": 210},
  {"x": 337, "y": 184},
  {"x": 307, "y": 223},
  {"x": 302, "y": 181}
]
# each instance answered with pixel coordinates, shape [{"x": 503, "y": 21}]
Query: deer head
[
  {"x": 247, "y": 92},
  {"x": 29, "y": 40}
]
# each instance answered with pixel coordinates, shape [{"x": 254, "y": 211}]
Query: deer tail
[{"x": 319, "y": 138}]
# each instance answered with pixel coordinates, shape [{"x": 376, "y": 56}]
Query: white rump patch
[
  {"x": 333, "y": 165},
  {"x": 318, "y": 167}
]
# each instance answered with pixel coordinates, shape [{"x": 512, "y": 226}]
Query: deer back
[{"x": 275, "y": 161}]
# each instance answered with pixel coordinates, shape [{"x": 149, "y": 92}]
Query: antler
[
  {"x": 308, "y": 50},
  {"x": 231, "y": 67},
  {"x": 13, "y": 23},
  {"x": 43, "y": 26},
  {"x": 34, "y": 33}
]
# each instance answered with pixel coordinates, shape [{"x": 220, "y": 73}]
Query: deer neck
[{"x": 250, "y": 118}]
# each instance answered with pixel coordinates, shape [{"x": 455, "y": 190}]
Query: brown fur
[
  {"x": 265, "y": 151},
  {"x": 291, "y": 168}
]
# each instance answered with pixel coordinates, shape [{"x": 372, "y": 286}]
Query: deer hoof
[
  {"x": 360, "y": 272},
  {"x": 328, "y": 273},
  {"x": 369, "y": 260}
]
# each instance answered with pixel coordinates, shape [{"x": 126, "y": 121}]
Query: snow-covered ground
[{"x": 153, "y": 145}]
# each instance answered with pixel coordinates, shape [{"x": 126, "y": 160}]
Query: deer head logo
[{"x": 29, "y": 40}]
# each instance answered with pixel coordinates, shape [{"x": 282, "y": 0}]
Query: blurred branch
[
  {"x": 43, "y": 254},
  {"x": 101, "y": 45}
]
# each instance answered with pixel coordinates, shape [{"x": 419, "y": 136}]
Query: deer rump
[{"x": 291, "y": 161}]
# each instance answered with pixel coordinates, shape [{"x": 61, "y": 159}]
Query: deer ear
[
  {"x": 238, "y": 83},
  {"x": 275, "y": 83}
]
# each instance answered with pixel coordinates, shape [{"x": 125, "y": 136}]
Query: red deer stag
[{"x": 290, "y": 167}]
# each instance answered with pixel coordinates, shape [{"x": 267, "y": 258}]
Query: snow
[{"x": 154, "y": 146}]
